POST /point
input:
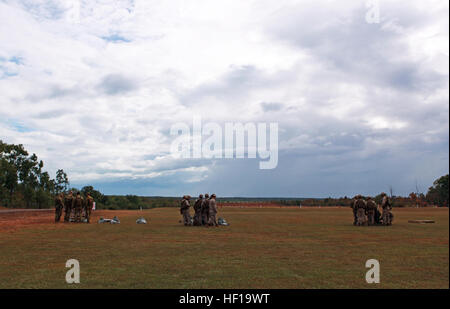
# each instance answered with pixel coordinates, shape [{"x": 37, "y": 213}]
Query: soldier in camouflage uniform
[
  {"x": 352, "y": 205},
  {"x": 371, "y": 208},
  {"x": 205, "y": 210},
  {"x": 89, "y": 203},
  {"x": 360, "y": 206},
  {"x": 212, "y": 211},
  {"x": 184, "y": 210},
  {"x": 386, "y": 206},
  {"x": 59, "y": 205},
  {"x": 68, "y": 201},
  {"x": 377, "y": 215},
  {"x": 198, "y": 210},
  {"x": 78, "y": 206}
]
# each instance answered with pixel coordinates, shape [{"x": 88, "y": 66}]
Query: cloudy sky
[{"x": 93, "y": 87}]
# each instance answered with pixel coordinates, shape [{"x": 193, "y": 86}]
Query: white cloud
[{"x": 94, "y": 90}]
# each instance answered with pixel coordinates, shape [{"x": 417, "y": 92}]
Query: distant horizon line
[{"x": 242, "y": 197}]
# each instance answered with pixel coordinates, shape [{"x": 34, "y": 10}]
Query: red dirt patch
[
  {"x": 252, "y": 205},
  {"x": 269, "y": 205},
  {"x": 15, "y": 219}
]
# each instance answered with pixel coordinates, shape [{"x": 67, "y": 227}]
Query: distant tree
[
  {"x": 97, "y": 195},
  {"x": 62, "y": 181},
  {"x": 417, "y": 189},
  {"x": 8, "y": 178},
  {"x": 87, "y": 189},
  {"x": 12, "y": 157},
  {"x": 438, "y": 193},
  {"x": 134, "y": 201},
  {"x": 23, "y": 181},
  {"x": 413, "y": 198},
  {"x": 74, "y": 190}
]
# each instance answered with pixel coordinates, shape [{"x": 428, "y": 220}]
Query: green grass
[{"x": 263, "y": 248}]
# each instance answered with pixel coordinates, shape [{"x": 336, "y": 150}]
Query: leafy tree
[
  {"x": 438, "y": 193},
  {"x": 74, "y": 190},
  {"x": 62, "y": 181},
  {"x": 8, "y": 178},
  {"x": 99, "y": 198},
  {"x": 23, "y": 181},
  {"x": 12, "y": 157},
  {"x": 87, "y": 189}
]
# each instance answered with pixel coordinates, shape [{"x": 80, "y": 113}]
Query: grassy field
[{"x": 262, "y": 248}]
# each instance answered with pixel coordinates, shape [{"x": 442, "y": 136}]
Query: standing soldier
[
  {"x": 371, "y": 207},
  {"x": 78, "y": 206},
  {"x": 68, "y": 201},
  {"x": 212, "y": 211},
  {"x": 198, "y": 210},
  {"x": 352, "y": 205},
  {"x": 360, "y": 206},
  {"x": 205, "y": 210},
  {"x": 377, "y": 215},
  {"x": 59, "y": 205},
  {"x": 386, "y": 206},
  {"x": 88, "y": 206},
  {"x": 184, "y": 210}
]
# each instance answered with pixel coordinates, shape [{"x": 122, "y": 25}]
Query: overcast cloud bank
[{"x": 95, "y": 88}]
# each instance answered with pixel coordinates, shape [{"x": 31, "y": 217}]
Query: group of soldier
[
  {"x": 367, "y": 212},
  {"x": 205, "y": 210},
  {"x": 76, "y": 208}
]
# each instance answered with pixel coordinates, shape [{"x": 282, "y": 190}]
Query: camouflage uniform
[
  {"x": 184, "y": 210},
  {"x": 386, "y": 206},
  {"x": 212, "y": 211},
  {"x": 371, "y": 208},
  {"x": 360, "y": 205},
  {"x": 377, "y": 215},
  {"x": 352, "y": 205},
  {"x": 68, "y": 201},
  {"x": 205, "y": 210},
  {"x": 198, "y": 210},
  {"x": 78, "y": 206},
  {"x": 88, "y": 207},
  {"x": 59, "y": 205}
]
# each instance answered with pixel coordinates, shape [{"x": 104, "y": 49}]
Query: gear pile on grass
[{"x": 114, "y": 220}]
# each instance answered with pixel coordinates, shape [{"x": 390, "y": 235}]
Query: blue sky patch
[
  {"x": 18, "y": 126},
  {"x": 116, "y": 38}
]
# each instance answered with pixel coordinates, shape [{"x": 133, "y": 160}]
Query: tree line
[
  {"x": 437, "y": 195},
  {"x": 23, "y": 181},
  {"x": 25, "y": 184}
]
